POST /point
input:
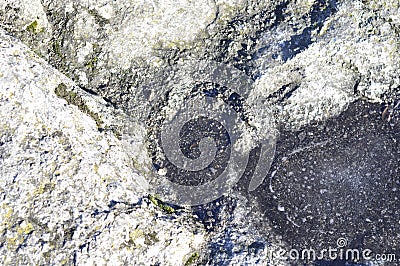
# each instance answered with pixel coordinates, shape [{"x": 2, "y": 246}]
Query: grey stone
[
  {"x": 73, "y": 174},
  {"x": 69, "y": 191}
]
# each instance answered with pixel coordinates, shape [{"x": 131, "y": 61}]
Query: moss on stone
[{"x": 75, "y": 99}]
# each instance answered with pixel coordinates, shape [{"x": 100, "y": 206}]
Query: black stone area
[
  {"x": 338, "y": 179},
  {"x": 189, "y": 138}
]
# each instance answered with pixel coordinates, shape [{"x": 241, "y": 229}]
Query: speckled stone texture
[
  {"x": 69, "y": 191},
  {"x": 73, "y": 158}
]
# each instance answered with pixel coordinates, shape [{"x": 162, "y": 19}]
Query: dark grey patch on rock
[{"x": 337, "y": 179}]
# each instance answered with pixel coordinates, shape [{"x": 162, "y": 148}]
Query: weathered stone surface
[
  {"x": 354, "y": 55},
  {"x": 69, "y": 188},
  {"x": 69, "y": 191},
  {"x": 110, "y": 48}
]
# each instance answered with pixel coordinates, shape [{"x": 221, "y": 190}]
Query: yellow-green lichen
[
  {"x": 91, "y": 63},
  {"x": 145, "y": 238},
  {"x": 33, "y": 27},
  {"x": 44, "y": 187},
  {"x": 192, "y": 259},
  {"x": 135, "y": 234},
  {"x": 75, "y": 99},
  {"x": 13, "y": 242},
  {"x": 20, "y": 235},
  {"x": 96, "y": 168},
  {"x": 25, "y": 229},
  {"x": 7, "y": 217},
  {"x": 161, "y": 205}
]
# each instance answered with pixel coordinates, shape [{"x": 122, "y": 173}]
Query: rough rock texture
[
  {"x": 236, "y": 241},
  {"x": 110, "y": 48},
  {"x": 355, "y": 54},
  {"x": 70, "y": 191}
]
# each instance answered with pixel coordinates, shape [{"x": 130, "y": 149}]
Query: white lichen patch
[{"x": 85, "y": 27}]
